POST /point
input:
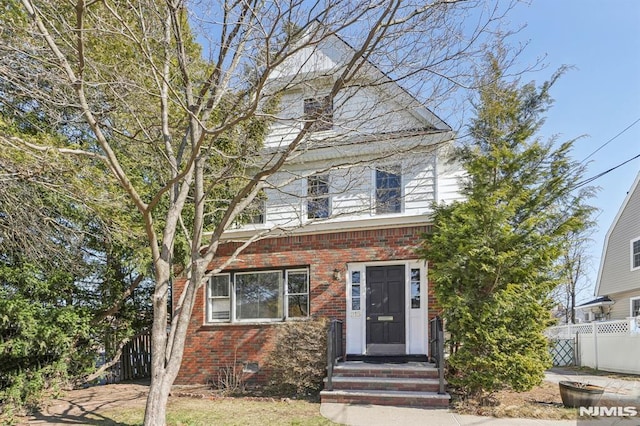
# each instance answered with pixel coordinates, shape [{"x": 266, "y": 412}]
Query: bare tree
[
  {"x": 180, "y": 127},
  {"x": 575, "y": 264}
]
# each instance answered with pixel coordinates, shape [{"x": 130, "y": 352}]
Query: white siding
[
  {"x": 351, "y": 190},
  {"x": 616, "y": 274}
]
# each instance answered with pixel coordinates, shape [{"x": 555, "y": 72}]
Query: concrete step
[
  {"x": 418, "y": 370},
  {"x": 391, "y": 398},
  {"x": 385, "y": 383}
]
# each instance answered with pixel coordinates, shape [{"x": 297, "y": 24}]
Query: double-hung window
[
  {"x": 318, "y": 197},
  {"x": 320, "y": 112},
  {"x": 218, "y": 295},
  {"x": 388, "y": 190},
  {"x": 635, "y": 254},
  {"x": 273, "y": 295}
]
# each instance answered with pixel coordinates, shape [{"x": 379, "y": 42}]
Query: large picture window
[
  {"x": 258, "y": 295},
  {"x": 388, "y": 190},
  {"x": 273, "y": 295}
]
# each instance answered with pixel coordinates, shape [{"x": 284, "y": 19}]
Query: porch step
[
  {"x": 393, "y": 398},
  {"x": 416, "y": 370},
  {"x": 411, "y": 384},
  {"x": 386, "y": 384}
]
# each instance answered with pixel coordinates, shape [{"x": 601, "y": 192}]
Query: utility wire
[
  {"x": 599, "y": 175},
  {"x": 611, "y": 140}
]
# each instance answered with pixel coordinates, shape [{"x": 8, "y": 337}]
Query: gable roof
[
  {"x": 634, "y": 188},
  {"x": 326, "y": 59}
]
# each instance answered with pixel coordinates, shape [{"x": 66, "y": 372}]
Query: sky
[{"x": 599, "y": 98}]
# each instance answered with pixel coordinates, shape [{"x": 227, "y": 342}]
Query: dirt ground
[{"x": 75, "y": 405}]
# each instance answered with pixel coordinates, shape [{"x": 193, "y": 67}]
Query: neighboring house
[
  {"x": 618, "y": 285},
  {"x": 343, "y": 239}
]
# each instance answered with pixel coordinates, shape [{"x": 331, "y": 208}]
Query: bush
[{"x": 297, "y": 365}]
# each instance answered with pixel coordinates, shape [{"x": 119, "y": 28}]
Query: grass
[{"x": 226, "y": 412}]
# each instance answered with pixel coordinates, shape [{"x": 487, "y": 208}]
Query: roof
[
  {"x": 600, "y": 301},
  {"x": 613, "y": 225}
]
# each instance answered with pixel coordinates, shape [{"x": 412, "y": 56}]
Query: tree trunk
[{"x": 155, "y": 413}]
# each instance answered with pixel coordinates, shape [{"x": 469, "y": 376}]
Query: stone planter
[{"x": 576, "y": 394}]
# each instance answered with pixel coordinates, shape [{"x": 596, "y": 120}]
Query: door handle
[{"x": 368, "y": 318}]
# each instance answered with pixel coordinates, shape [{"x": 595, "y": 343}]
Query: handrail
[
  {"x": 335, "y": 351},
  {"x": 437, "y": 349}
]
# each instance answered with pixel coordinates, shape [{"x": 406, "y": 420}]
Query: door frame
[{"x": 416, "y": 322}]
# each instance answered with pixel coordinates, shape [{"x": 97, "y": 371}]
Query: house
[
  {"x": 340, "y": 223},
  {"x": 618, "y": 284}
]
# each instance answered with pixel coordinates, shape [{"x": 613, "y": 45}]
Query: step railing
[
  {"x": 335, "y": 349},
  {"x": 436, "y": 349}
]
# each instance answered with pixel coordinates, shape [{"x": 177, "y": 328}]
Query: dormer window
[
  {"x": 635, "y": 254},
  {"x": 320, "y": 111}
]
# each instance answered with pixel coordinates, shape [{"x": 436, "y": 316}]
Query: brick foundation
[{"x": 210, "y": 347}]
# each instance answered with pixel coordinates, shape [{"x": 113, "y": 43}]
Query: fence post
[{"x": 595, "y": 342}]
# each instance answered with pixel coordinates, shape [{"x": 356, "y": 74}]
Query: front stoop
[{"x": 411, "y": 384}]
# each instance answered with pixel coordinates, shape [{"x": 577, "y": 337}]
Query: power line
[
  {"x": 599, "y": 175},
  {"x": 611, "y": 140}
]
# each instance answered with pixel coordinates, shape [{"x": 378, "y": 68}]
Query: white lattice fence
[{"x": 603, "y": 345}]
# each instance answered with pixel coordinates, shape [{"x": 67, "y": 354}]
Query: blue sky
[{"x": 599, "y": 98}]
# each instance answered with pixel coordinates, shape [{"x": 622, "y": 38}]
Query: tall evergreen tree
[{"x": 493, "y": 255}]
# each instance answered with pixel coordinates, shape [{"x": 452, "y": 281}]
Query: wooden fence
[{"x": 135, "y": 362}]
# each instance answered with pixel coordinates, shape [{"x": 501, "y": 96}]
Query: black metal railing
[
  {"x": 335, "y": 349},
  {"x": 436, "y": 349}
]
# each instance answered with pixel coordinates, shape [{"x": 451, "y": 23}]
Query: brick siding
[{"x": 211, "y": 347}]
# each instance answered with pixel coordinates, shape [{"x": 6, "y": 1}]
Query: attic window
[
  {"x": 635, "y": 254},
  {"x": 320, "y": 111}
]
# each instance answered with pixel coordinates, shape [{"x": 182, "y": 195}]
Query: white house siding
[
  {"x": 357, "y": 111},
  {"x": 352, "y": 191},
  {"x": 616, "y": 274}
]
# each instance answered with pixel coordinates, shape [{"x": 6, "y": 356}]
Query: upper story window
[
  {"x": 635, "y": 254},
  {"x": 261, "y": 296},
  {"x": 254, "y": 213},
  {"x": 318, "y": 197},
  {"x": 320, "y": 110},
  {"x": 388, "y": 190}
]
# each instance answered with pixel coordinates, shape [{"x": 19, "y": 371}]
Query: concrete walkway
[
  {"x": 627, "y": 391},
  {"x": 378, "y": 415}
]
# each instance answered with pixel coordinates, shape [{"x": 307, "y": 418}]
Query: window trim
[
  {"x": 385, "y": 169},
  {"x": 632, "y": 254},
  {"x": 283, "y": 296},
  {"x": 631, "y": 300}
]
